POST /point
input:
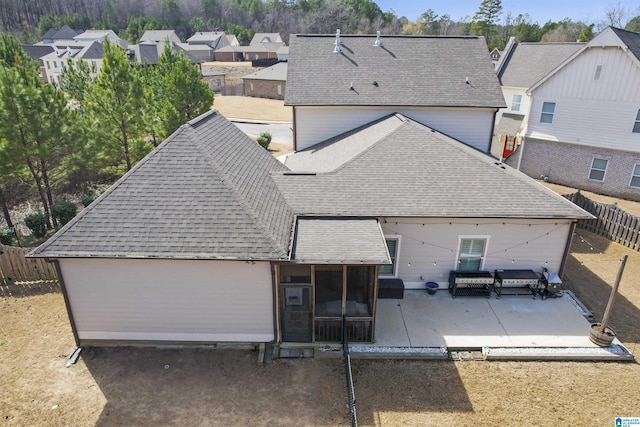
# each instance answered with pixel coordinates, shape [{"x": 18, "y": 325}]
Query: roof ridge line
[{"x": 237, "y": 195}]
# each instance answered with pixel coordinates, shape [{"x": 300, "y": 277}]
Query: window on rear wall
[
  {"x": 548, "y": 110},
  {"x": 636, "y": 125},
  {"x": 393, "y": 245},
  {"x": 635, "y": 178},
  {"x": 598, "y": 169},
  {"x": 471, "y": 254}
]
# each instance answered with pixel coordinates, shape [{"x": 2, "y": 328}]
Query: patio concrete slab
[{"x": 513, "y": 326}]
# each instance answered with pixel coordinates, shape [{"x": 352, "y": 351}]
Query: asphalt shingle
[
  {"x": 405, "y": 70},
  {"x": 415, "y": 171},
  {"x": 206, "y": 192}
]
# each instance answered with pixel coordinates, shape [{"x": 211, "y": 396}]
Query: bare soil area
[
  {"x": 627, "y": 205},
  {"x": 149, "y": 386},
  {"x": 246, "y": 107}
]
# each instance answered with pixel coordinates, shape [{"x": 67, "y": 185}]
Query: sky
[{"x": 539, "y": 10}]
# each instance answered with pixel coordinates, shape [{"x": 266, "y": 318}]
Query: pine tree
[{"x": 486, "y": 18}]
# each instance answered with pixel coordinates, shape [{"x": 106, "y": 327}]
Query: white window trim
[
  {"x": 636, "y": 121},
  {"x": 462, "y": 237},
  {"x": 604, "y": 175},
  {"x": 632, "y": 176},
  {"x": 396, "y": 264},
  {"x": 553, "y": 115}
]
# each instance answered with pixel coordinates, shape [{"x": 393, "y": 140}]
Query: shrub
[
  {"x": 63, "y": 211},
  {"x": 87, "y": 200},
  {"x": 264, "y": 140},
  {"x": 6, "y": 236},
  {"x": 37, "y": 223}
]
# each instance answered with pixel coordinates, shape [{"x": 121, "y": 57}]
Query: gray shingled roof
[
  {"x": 526, "y": 63},
  {"x": 509, "y": 124},
  {"x": 631, "y": 39},
  {"x": 276, "y": 72},
  {"x": 37, "y": 51},
  {"x": 339, "y": 241},
  {"x": 206, "y": 192},
  {"x": 415, "y": 171},
  {"x": 406, "y": 70}
]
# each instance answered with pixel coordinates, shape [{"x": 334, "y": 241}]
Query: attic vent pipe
[
  {"x": 378, "y": 42},
  {"x": 337, "y": 43}
]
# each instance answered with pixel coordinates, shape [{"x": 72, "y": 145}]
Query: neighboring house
[
  {"x": 520, "y": 67},
  {"x": 495, "y": 54},
  {"x": 270, "y": 82},
  {"x": 204, "y": 44},
  {"x": 55, "y": 35},
  {"x": 262, "y": 46},
  {"x": 159, "y": 36},
  {"x": 447, "y": 83},
  {"x": 232, "y": 245},
  {"x": 283, "y": 53},
  {"x": 214, "y": 77},
  {"x": 36, "y": 52},
  {"x": 54, "y": 62},
  {"x": 584, "y": 126},
  {"x": 149, "y": 52},
  {"x": 58, "y": 46}
]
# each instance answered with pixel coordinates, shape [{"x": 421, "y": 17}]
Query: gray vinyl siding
[
  {"x": 438, "y": 255},
  {"x": 170, "y": 300},
  {"x": 469, "y": 125}
]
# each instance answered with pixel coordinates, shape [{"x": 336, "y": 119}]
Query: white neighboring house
[
  {"x": 159, "y": 36},
  {"x": 54, "y": 62},
  {"x": 520, "y": 67},
  {"x": 584, "y": 126}
]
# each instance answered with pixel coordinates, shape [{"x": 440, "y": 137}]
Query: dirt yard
[
  {"x": 145, "y": 386},
  {"x": 246, "y": 107}
]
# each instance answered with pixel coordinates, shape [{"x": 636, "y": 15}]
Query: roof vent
[
  {"x": 378, "y": 42},
  {"x": 338, "y": 42}
]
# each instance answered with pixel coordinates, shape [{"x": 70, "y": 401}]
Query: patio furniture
[{"x": 391, "y": 288}]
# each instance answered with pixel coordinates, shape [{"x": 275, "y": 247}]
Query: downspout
[
  {"x": 295, "y": 139},
  {"x": 275, "y": 273},
  {"x": 67, "y": 303},
  {"x": 520, "y": 153},
  {"x": 493, "y": 126},
  {"x": 567, "y": 249}
]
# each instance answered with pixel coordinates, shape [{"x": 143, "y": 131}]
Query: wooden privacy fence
[
  {"x": 612, "y": 222},
  {"x": 14, "y": 267}
]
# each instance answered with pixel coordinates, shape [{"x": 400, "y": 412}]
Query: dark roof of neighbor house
[
  {"x": 206, "y": 192},
  {"x": 411, "y": 170},
  {"x": 523, "y": 64},
  {"x": 65, "y": 33},
  {"x": 149, "y": 52},
  {"x": 276, "y": 72},
  {"x": 37, "y": 51},
  {"x": 631, "y": 39},
  {"x": 438, "y": 71}
]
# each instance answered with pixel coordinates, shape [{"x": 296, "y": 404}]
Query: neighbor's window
[
  {"x": 635, "y": 178},
  {"x": 636, "y": 125},
  {"x": 48, "y": 66},
  {"x": 598, "y": 168},
  {"x": 393, "y": 244},
  {"x": 471, "y": 254},
  {"x": 516, "y": 100},
  {"x": 279, "y": 87},
  {"x": 251, "y": 86},
  {"x": 598, "y": 73},
  {"x": 548, "y": 109}
]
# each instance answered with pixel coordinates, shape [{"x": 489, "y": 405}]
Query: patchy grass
[{"x": 246, "y": 107}]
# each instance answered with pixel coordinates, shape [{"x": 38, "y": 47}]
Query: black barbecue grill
[
  {"x": 516, "y": 282},
  {"x": 470, "y": 283}
]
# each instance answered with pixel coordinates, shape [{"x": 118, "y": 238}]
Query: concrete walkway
[{"x": 512, "y": 327}]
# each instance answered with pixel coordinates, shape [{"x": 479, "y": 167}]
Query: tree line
[
  {"x": 94, "y": 127},
  {"x": 130, "y": 18}
]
